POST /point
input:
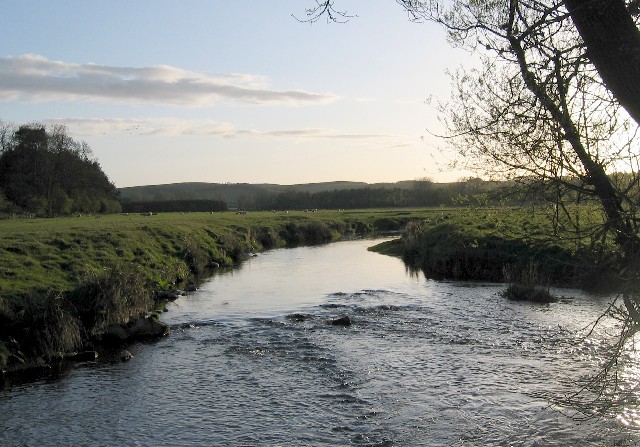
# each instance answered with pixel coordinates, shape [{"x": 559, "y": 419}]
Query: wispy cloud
[
  {"x": 35, "y": 78},
  {"x": 95, "y": 127}
]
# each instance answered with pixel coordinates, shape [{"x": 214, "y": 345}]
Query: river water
[{"x": 254, "y": 361}]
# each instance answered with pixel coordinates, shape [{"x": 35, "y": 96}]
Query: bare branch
[{"x": 324, "y": 8}]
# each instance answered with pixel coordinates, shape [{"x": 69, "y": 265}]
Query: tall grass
[
  {"x": 42, "y": 326},
  {"x": 504, "y": 245},
  {"x": 111, "y": 295}
]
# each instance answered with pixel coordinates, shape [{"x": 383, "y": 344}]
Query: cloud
[
  {"x": 35, "y": 78},
  {"x": 95, "y": 127}
]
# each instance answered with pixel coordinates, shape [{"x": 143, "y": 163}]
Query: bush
[{"x": 111, "y": 296}]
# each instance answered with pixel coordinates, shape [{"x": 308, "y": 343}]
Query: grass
[
  {"x": 524, "y": 292},
  {"x": 63, "y": 281},
  {"x": 40, "y": 255},
  {"x": 505, "y": 245}
]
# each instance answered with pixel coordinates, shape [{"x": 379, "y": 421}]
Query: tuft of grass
[
  {"x": 527, "y": 292},
  {"x": 195, "y": 256},
  {"x": 111, "y": 296},
  {"x": 41, "y": 326}
]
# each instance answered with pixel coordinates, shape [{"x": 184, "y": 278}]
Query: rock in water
[
  {"x": 139, "y": 329},
  {"x": 148, "y": 327},
  {"x": 84, "y": 356},
  {"x": 342, "y": 321}
]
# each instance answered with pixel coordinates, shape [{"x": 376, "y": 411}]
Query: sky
[{"x": 232, "y": 91}]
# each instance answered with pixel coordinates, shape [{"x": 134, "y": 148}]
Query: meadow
[{"x": 39, "y": 255}]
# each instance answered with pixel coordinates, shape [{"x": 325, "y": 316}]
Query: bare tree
[
  {"x": 539, "y": 106},
  {"x": 611, "y": 35},
  {"x": 554, "y": 102}
]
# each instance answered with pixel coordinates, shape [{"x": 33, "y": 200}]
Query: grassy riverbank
[
  {"x": 513, "y": 245},
  {"x": 39, "y": 255},
  {"x": 64, "y": 282}
]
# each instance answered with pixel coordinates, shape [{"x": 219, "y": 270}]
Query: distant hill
[
  {"x": 235, "y": 193},
  {"x": 327, "y": 195}
]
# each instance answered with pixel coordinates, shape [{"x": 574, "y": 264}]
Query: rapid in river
[{"x": 254, "y": 360}]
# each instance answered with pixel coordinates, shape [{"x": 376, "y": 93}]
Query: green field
[{"x": 38, "y": 255}]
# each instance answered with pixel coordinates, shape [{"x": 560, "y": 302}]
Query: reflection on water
[
  {"x": 254, "y": 360},
  {"x": 625, "y": 386}
]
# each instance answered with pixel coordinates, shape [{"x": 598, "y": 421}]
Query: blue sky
[{"x": 231, "y": 91}]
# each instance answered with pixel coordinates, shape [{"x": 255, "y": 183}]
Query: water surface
[{"x": 254, "y": 360}]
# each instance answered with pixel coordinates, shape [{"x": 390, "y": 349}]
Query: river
[{"x": 254, "y": 361}]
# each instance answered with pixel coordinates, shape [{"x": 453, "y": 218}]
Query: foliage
[
  {"x": 334, "y": 195},
  {"x": 45, "y": 172}
]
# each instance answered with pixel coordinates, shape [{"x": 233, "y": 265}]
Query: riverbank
[
  {"x": 85, "y": 283},
  {"x": 511, "y": 245},
  {"x": 255, "y": 360},
  {"x": 65, "y": 283}
]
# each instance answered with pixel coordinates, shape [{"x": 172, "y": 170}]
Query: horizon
[{"x": 212, "y": 93}]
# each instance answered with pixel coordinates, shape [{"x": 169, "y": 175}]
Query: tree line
[
  {"x": 423, "y": 194},
  {"x": 173, "y": 206},
  {"x": 410, "y": 194},
  {"x": 43, "y": 171}
]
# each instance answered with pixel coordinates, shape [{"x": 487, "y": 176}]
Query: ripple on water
[{"x": 423, "y": 363}]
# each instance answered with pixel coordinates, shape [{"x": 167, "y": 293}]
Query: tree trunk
[{"x": 613, "y": 46}]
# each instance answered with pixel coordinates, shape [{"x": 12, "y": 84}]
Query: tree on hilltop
[{"x": 46, "y": 172}]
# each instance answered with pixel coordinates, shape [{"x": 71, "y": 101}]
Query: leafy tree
[{"x": 47, "y": 172}]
